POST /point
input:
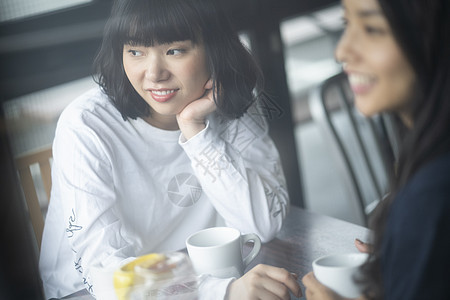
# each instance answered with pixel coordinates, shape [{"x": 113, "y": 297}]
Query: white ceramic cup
[
  {"x": 218, "y": 251},
  {"x": 337, "y": 271}
]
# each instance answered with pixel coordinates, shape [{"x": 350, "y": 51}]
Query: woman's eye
[
  {"x": 135, "y": 52},
  {"x": 374, "y": 30},
  {"x": 175, "y": 51}
]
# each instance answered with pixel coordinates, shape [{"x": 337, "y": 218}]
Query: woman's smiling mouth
[
  {"x": 163, "y": 95},
  {"x": 360, "y": 84}
]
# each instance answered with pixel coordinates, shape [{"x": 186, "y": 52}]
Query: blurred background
[{"x": 46, "y": 53}]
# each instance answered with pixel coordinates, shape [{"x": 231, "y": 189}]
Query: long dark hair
[
  {"x": 235, "y": 74},
  {"x": 422, "y": 30}
]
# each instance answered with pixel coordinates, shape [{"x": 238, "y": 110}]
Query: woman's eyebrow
[{"x": 369, "y": 13}]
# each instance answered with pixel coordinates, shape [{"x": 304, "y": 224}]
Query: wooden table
[{"x": 304, "y": 237}]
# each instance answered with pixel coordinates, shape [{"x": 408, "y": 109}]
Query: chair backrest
[
  {"x": 364, "y": 149},
  {"x": 31, "y": 185}
]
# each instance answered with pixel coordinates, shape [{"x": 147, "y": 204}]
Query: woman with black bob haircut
[
  {"x": 170, "y": 142},
  {"x": 409, "y": 250},
  {"x": 234, "y": 73}
]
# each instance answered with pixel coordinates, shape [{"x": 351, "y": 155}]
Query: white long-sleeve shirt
[{"x": 122, "y": 189}]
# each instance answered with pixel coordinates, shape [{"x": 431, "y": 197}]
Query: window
[{"x": 18, "y": 9}]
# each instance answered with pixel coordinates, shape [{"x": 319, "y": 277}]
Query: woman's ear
[{"x": 209, "y": 84}]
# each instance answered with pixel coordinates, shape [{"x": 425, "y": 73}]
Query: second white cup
[
  {"x": 218, "y": 251},
  {"x": 339, "y": 271}
]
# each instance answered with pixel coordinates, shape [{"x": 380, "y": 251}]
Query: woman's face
[
  {"x": 379, "y": 74},
  {"x": 167, "y": 76}
]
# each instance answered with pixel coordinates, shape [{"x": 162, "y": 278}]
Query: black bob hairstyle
[{"x": 236, "y": 77}]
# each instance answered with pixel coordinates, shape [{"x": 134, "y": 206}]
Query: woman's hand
[
  {"x": 191, "y": 119},
  {"x": 316, "y": 290},
  {"x": 265, "y": 282}
]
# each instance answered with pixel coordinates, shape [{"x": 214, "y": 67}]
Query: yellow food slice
[{"x": 125, "y": 277}]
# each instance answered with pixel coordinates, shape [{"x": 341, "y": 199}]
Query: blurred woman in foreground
[{"x": 397, "y": 57}]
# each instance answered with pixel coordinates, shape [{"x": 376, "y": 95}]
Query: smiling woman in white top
[{"x": 171, "y": 142}]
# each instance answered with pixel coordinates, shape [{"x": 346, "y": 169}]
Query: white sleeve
[
  {"x": 213, "y": 288},
  {"x": 239, "y": 169},
  {"x": 86, "y": 187}
]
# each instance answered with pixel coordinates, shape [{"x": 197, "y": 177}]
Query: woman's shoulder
[
  {"x": 91, "y": 105},
  {"x": 416, "y": 238},
  {"x": 429, "y": 188},
  {"x": 434, "y": 174}
]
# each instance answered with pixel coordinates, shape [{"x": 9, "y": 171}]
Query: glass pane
[
  {"x": 31, "y": 119},
  {"x": 17, "y": 9},
  {"x": 309, "y": 43},
  {"x": 309, "y": 51}
]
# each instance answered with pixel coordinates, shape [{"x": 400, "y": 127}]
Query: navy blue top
[{"x": 416, "y": 246}]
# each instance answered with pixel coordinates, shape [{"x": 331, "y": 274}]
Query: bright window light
[{"x": 18, "y": 9}]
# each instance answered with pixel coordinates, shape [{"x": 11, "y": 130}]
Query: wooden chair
[{"x": 24, "y": 162}]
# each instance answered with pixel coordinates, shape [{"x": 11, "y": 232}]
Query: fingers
[
  {"x": 272, "y": 289},
  {"x": 309, "y": 280},
  {"x": 312, "y": 286},
  {"x": 317, "y": 291},
  {"x": 363, "y": 247},
  {"x": 287, "y": 279},
  {"x": 265, "y": 282},
  {"x": 281, "y": 277},
  {"x": 309, "y": 283}
]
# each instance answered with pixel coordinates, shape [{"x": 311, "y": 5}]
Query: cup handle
[{"x": 256, "y": 247}]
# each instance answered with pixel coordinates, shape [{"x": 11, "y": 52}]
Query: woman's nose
[
  {"x": 156, "y": 70},
  {"x": 345, "y": 51}
]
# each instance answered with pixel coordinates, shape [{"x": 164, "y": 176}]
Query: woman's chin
[{"x": 366, "y": 111}]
